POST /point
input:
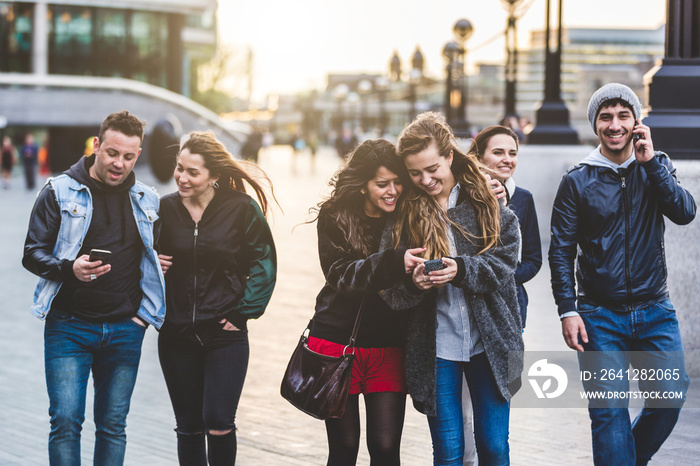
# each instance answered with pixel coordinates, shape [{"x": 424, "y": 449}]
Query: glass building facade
[
  {"x": 15, "y": 37},
  {"x": 108, "y": 42},
  {"x": 141, "y": 44}
]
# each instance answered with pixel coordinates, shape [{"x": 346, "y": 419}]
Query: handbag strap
[{"x": 356, "y": 327}]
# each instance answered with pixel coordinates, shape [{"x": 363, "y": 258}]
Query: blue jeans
[
  {"x": 72, "y": 348},
  {"x": 653, "y": 336},
  {"x": 491, "y": 414}
]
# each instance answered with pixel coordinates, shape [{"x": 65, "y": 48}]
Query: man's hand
[
  {"x": 643, "y": 148},
  {"x": 165, "y": 262},
  {"x": 87, "y": 271},
  {"x": 571, "y": 328}
]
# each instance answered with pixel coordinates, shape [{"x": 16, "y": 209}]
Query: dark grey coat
[{"x": 490, "y": 293}]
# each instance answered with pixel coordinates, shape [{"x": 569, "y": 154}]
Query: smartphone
[
  {"x": 435, "y": 264},
  {"x": 100, "y": 255}
]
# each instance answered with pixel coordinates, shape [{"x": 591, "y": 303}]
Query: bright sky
[{"x": 296, "y": 43}]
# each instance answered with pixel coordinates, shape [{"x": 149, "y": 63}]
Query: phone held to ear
[
  {"x": 431, "y": 265},
  {"x": 100, "y": 255}
]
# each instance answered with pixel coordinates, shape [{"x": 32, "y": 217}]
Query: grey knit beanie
[{"x": 609, "y": 92}]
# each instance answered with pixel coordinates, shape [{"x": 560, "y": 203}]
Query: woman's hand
[
  {"x": 446, "y": 275},
  {"x": 165, "y": 262},
  {"x": 497, "y": 189},
  {"x": 410, "y": 261},
  {"x": 419, "y": 280},
  {"x": 229, "y": 326}
]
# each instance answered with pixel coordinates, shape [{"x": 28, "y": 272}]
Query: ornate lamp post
[
  {"x": 382, "y": 84},
  {"x": 414, "y": 79},
  {"x": 515, "y": 8},
  {"x": 395, "y": 67},
  {"x": 553, "y": 117},
  {"x": 450, "y": 51},
  {"x": 364, "y": 87},
  {"x": 340, "y": 93},
  {"x": 462, "y": 30}
]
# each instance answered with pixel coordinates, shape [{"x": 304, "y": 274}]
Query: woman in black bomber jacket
[
  {"x": 218, "y": 252},
  {"x": 350, "y": 224}
]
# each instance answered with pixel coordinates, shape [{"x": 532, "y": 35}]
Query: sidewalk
[{"x": 271, "y": 432}]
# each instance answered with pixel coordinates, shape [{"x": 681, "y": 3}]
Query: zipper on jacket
[
  {"x": 627, "y": 236},
  {"x": 194, "y": 294}
]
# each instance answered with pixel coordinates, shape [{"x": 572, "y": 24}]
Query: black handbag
[{"x": 318, "y": 384}]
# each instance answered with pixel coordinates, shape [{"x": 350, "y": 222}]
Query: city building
[
  {"x": 590, "y": 59},
  {"x": 65, "y": 65}
]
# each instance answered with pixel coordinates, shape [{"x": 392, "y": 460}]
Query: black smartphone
[
  {"x": 435, "y": 264},
  {"x": 100, "y": 255}
]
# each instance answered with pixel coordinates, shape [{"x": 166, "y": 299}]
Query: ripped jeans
[{"x": 205, "y": 382}]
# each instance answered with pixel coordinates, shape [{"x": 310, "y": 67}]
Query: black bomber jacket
[
  {"x": 612, "y": 224},
  {"x": 223, "y": 267}
]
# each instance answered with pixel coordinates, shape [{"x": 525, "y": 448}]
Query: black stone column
[
  {"x": 672, "y": 87},
  {"x": 552, "y": 118}
]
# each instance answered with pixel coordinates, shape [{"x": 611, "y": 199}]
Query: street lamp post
[
  {"x": 515, "y": 8},
  {"x": 382, "y": 84},
  {"x": 340, "y": 93},
  {"x": 462, "y": 30},
  {"x": 364, "y": 87},
  {"x": 450, "y": 52},
  {"x": 414, "y": 79},
  {"x": 553, "y": 117}
]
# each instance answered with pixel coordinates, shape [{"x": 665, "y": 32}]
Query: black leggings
[
  {"x": 205, "y": 384},
  {"x": 385, "y": 415}
]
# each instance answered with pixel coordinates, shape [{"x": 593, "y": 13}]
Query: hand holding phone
[
  {"x": 100, "y": 255},
  {"x": 643, "y": 146},
  {"x": 431, "y": 265}
]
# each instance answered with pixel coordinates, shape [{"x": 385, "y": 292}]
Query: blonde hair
[{"x": 421, "y": 220}]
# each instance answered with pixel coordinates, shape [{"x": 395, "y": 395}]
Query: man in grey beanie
[{"x": 608, "y": 222}]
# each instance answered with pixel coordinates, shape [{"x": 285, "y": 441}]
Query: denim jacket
[{"x": 75, "y": 203}]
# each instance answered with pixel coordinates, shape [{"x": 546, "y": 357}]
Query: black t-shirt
[{"x": 117, "y": 294}]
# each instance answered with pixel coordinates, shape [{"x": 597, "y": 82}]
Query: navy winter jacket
[{"x": 615, "y": 220}]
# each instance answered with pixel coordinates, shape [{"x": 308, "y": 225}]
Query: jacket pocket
[{"x": 73, "y": 222}]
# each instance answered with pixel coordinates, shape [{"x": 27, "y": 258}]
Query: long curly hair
[
  {"x": 345, "y": 205},
  {"x": 233, "y": 174},
  {"x": 421, "y": 219}
]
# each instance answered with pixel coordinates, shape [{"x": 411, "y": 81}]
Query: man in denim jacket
[
  {"x": 96, "y": 313},
  {"x": 608, "y": 217}
]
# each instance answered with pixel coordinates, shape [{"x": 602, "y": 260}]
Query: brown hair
[
  {"x": 345, "y": 205},
  {"x": 221, "y": 163},
  {"x": 425, "y": 223},
  {"x": 123, "y": 122}
]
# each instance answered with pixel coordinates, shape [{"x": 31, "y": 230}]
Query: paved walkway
[{"x": 271, "y": 432}]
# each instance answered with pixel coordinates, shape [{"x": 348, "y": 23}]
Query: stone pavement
[{"x": 271, "y": 431}]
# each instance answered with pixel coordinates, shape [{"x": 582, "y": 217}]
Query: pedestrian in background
[
  {"x": 220, "y": 267},
  {"x": 29, "y": 154},
  {"x": 350, "y": 225},
  {"x": 96, "y": 312},
  {"x": 608, "y": 220},
  {"x": 497, "y": 148},
  {"x": 8, "y": 161},
  {"x": 469, "y": 324}
]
